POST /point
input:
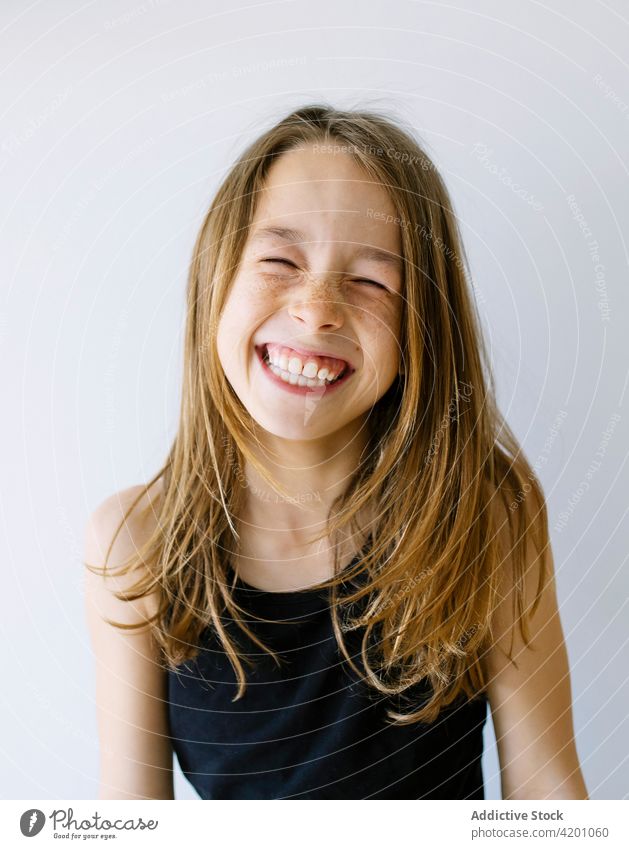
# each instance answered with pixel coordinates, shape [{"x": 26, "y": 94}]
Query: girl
[{"x": 345, "y": 556}]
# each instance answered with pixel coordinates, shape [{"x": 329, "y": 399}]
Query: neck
[{"x": 313, "y": 473}]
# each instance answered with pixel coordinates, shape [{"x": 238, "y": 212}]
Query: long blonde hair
[{"x": 439, "y": 452}]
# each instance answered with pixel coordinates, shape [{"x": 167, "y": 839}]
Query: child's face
[{"x": 317, "y": 299}]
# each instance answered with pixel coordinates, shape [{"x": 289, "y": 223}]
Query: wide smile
[{"x": 291, "y": 382}]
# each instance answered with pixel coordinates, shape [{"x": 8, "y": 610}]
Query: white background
[{"x": 119, "y": 119}]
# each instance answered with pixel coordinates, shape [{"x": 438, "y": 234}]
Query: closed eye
[
  {"x": 366, "y": 280},
  {"x": 279, "y": 259}
]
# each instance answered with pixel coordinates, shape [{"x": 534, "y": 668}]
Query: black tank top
[{"x": 311, "y": 729}]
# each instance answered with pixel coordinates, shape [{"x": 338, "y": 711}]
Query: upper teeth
[{"x": 289, "y": 361}]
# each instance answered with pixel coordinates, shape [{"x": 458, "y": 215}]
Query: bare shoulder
[
  {"x": 131, "y": 683},
  {"x": 115, "y": 532},
  {"x": 528, "y": 685}
]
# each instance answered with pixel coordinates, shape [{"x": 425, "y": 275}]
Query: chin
[{"x": 301, "y": 429}]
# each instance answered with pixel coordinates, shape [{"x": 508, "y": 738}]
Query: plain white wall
[{"x": 118, "y": 122}]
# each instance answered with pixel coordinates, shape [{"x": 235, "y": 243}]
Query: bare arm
[
  {"x": 131, "y": 695},
  {"x": 532, "y": 705}
]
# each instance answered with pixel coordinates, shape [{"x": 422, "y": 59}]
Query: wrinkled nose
[{"x": 317, "y": 305}]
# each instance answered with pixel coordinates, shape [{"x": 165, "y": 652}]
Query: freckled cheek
[
  {"x": 261, "y": 296},
  {"x": 379, "y": 335},
  {"x": 248, "y": 305}
]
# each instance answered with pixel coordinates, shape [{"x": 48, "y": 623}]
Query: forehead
[{"x": 327, "y": 196}]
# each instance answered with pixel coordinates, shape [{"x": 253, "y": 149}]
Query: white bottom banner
[{"x": 287, "y": 823}]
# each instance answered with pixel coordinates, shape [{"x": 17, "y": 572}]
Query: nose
[{"x": 318, "y": 308}]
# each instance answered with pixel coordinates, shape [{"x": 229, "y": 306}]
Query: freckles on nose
[
  {"x": 323, "y": 288},
  {"x": 327, "y": 299}
]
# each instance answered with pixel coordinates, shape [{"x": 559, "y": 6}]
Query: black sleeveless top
[{"x": 311, "y": 729}]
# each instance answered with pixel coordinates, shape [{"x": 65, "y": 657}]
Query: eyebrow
[{"x": 364, "y": 251}]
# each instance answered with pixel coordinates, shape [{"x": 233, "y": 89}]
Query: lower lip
[{"x": 300, "y": 390}]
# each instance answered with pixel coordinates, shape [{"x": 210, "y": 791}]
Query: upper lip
[{"x": 307, "y": 352}]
